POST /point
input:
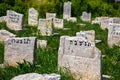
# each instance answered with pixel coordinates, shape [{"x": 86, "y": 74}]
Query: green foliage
[{"x": 3, "y": 8}]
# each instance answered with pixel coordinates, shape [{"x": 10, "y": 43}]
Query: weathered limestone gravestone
[
  {"x": 50, "y": 15},
  {"x": 72, "y": 19},
  {"x": 114, "y": 34},
  {"x": 41, "y": 43},
  {"x": 49, "y": 28},
  {"x": 58, "y": 23},
  {"x": 114, "y": 20},
  {"x": 14, "y": 20},
  {"x": 81, "y": 57},
  {"x": 89, "y": 35},
  {"x": 67, "y": 10},
  {"x": 104, "y": 22},
  {"x": 97, "y": 20},
  {"x": 3, "y": 18},
  {"x": 45, "y": 27},
  {"x": 4, "y": 34},
  {"x": 36, "y": 76},
  {"x": 86, "y": 17},
  {"x": 33, "y": 17},
  {"x": 19, "y": 49}
]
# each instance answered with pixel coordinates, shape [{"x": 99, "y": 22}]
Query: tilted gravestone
[
  {"x": 58, "y": 23},
  {"x": 19, "y": 49},
  {"x": 89, "y": 35},
  {"x": 86, "y": 17},
  {"x": 33, "y": 17},
  {"x": 50, "y": 15},
  {"x": 67, "y": 10},
  {"x": 104, "y": 23},
  {"x": 45, "y": 27},
  {"x": 114, "y": 34},
  {"x": 14, "y": 20},
  {"x": 4, "y": 34},
  {"x": 81, "y": 57}
]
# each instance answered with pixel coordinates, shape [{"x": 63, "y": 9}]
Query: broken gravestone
[
  {"x": 33, "y": 17},
  {"x": 19, "y": 49},
  {"x": 41, "y": 43},
  {"x": 4, "y": 34},
  {"x": 81, "y": 57},
  {"x": 50, "y": 15},
  {"x": 97, "y": 20},
  {"x": 89, "y": 35},
  {"x": 58, "y": 23},
  {"x": 72, "y": 19},
  {"x": 36, "y": 76},
  {"x": 114, "y": 34},
  {"x": 45, "y": 27},
  {"x": 86, "y": 17},
  {"x": 14, "y": 20},
  {"x": 67, "y": 10}
]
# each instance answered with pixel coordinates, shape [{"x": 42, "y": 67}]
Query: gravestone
[
  {"x": 45, "y": 27},
  {"x": 50, "y": 15},
  {"x": 104, "y": 23},
  {"x": 49, "y": 28},
  {"x": 97, "y": 20},
  {"x": 67, "y": 10},
  {"x": 36, "y": 76},
  {"x": 42, "y": 26},
  {"x": 41, "y": 43},
  {"x": 14, "y": 20},
  {"x": 4, "y": 34},
  {"x": 114, "y": 34},
  {"x": 89, "y": 35},
  {"x": 72, "y": 19},
  {"x": 33, "y": 17},
  {"x": 81, "y": 57},
  {"x": 86, "y": 17},
  {"x": 3, "y": 18},
  {"x": 114, "y": 20},
  {"x": 58, "y": 23},
  {"x": 19, "y": 49}
]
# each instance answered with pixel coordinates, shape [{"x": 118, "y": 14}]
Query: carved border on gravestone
[
  {"x": 14, "y": 20},
  {"x": 19, "y": 49},
  {"x": 33, "y": 17}
]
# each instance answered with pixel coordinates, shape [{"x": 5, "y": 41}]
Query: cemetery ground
[{"x": 47, "y": 58}]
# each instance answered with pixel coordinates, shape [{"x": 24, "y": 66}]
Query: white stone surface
[
  {"x": 14, "y": 20},
  {"x": 19, "y": 49},
  {"x": 89, "y": 35},
  {"x": 67, "y": 10},
  {"x": 4, "y": 34},
  {"x": 33, "y": 17},
  {"x": 97, "y": 20},
  {"x": 104, "y": 22},
  {"x": 86, "y": 16},
  {"x": 114, "y": 20},
  {"x": 81, "y": 57},
  {"x": 72, "y": 19},
  {"x": 50, "y": 15},
  {"x": 3, "y": 18},
  {"x": 58, "y": 23},
  {"x": 41, "y": 43},
  {"x": 36, "y": 76},
  {"x": 49, "y": 28},
  {"x": 114, "y": 34}
]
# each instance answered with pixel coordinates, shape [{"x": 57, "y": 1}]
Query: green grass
[{"x": 46, "y": 59}]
